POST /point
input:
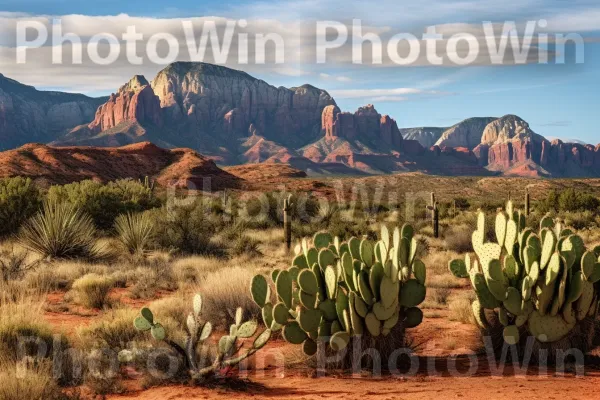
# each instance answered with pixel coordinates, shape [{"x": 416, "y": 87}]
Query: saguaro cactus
[
  {"x": 533, "y": 284},
  {"x": 336, "y": 292},
  {"x": 287, "y": 222},
  {"x": 527, "y": 203},
  {"x": 435, "y": 216}
]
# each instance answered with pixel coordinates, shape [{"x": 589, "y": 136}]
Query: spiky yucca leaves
[
  {"x": 538, "y": 285},
  {"x": 61, "y": 230},
  {"x": 337, "y": 292},
  {"x": 229, "y": 349},
  {"x": 135, "y": 233}
]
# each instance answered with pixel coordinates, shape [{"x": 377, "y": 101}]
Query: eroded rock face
[
  {"x": 365, "y": 123},
  {"x": 202, "y": 96},
  {"x": 467, "y": 133},
  {"x": 506, "y": 129},
  {"x": 28, "y": 115},
  {"x": 134, "y": 101}
]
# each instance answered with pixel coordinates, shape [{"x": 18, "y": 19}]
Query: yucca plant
[
  {"x": 135, "y": 232},
  {"x": 61, "y": 230}
]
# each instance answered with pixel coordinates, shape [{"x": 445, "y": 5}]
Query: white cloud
[
  {"x": 386, "y": 95},
  {"x": 337, "y": 78}
]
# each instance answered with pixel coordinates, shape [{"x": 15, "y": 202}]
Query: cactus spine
[
  {"x": 337, "y": 291},
  {"x": 228, "y": 350},
  {"x": 538, "y": 284}
]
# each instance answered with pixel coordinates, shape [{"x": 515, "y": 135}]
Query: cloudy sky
[{"x": 558, "y": 99}]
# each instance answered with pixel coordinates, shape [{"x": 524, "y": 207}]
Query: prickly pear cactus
[
  {"x": 530, "y": 283},
  {"x": 228, "y": 349},
  {"x": 335, "y": 291}
]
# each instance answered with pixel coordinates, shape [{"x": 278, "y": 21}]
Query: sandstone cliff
[
  {"x": 28, "y": 115},
  {"x": 426, "y": 136},
  {"x": 467, "y": 133}
]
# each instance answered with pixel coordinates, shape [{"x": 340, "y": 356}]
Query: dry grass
[
  {"x": 92, "y": 290},
  {"x": 437, "y": 298},
  {"x": 460, "y": 308},
  {"x": 226, "y": 290},
  {"x": 33, "y": 382}
]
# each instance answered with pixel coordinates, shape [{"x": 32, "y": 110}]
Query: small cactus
[
  {"x": 197, "y": 333},
  {"x": 335, "y": 291},
  {"x": 538, "y": 284}
]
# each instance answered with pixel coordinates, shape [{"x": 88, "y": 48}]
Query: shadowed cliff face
[{"x": 28, "y": 115}]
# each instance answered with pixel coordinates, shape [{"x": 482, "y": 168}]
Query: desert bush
[
  {"x": 458, "y": 238},
  {"x": 244, "y": 245},
  {"x": 61, "y": 230},
  {"x": 186, "y": 229},
  {"x": 266, "y": 211},
  {"x": 19, "y": 200},
  {"x": 32, "y": 381},
  {"x": 92, "y": 290},
  {"x": 154, "y": 276},
  {"x": 135, "y": 232},
  {"x": 461, "y": 310},
  {"x": 113, "y": 330},
  {"x": 568, "y": 200},
  {"x": 224, "y": 291},
  {"x": 15, "y": 265},
  {"x": 104, "y": 202}
]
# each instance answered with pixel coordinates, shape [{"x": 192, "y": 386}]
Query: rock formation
[
  {"x": 467, "y": 133},
  {"x": 28, "y": 115},
  {"x": 426, "y": 136},
  {"x": 365, "y": 124}
]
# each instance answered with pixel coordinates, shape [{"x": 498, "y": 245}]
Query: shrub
[
  {"x": 19, "y": 200},
  {"x": 105, "y": 202},
  {"x": 15, "y": 265},
  {"x": 61, "y": 230},
  {"x": 135, "y": 233},
  {"x": 31, "y": 382},
  {"x": 93, "y": 290},
  {"x": 458, "y": 239}
]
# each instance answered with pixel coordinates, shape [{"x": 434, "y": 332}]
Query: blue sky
[{"x": 557, "y": 100}]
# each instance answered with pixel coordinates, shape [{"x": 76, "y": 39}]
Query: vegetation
[
  {"x": 136, "y": 233},
  {"x": 19, "y": 200},
  {"x": 530, "y": 283}
]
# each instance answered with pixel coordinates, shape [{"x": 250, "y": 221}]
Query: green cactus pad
[
  {"x": 146, "y": 313},
  {"x": 391, "y": 323},
  {"x": 327, "y": 307},
  {"x": 307, "y": 281},
  {"x": 553, "y": 269},
  {"x": 205, "y": 332},
  {"x": 546, "y": 222},
  {"x": 259, "y": 289},
  {"x": 511, "y": 335},
  {"x": 309, "y": 347},
  {"x": 412, "y": 293},
  {"x": 309, "y": 320},
  {"x": 341, "y": 304},
  {"x": 547, "y": 329},
  {"x": 367, "y": 254},
  {"x": 503, "y": 317},
  {"x": 513, "y": 301},
  {"x": 527, "y": 288},
  {"x": 495, "y": 271},
  {"x": 292, "y": 333},
  {"x": 582, "y": 306},
  {"x": 247, "y": 329},
  {"x": 575, "y": 287},
  {"x": 413, "y": 318},
  {"x": 360, "y": 306},
  {"x": 281, "y": 314},
  {"x": 567, "y": 250},
  {"x": 339, "y": 341},
  {"x": 354, "y": 245},
  {"x": 275, "y": 274},
  {"x": 322, "y": 240},
  {"x": 262, "y": 339},
  {"x": 373, "y": 325},
  {"x": 512, "y": 233},
  {"x": 356, "y": 321},
  {"x": 284, "y": 288},
  {"x": 383, "y": 313},
  {"x": 326, "y": 258},
  {"x": 407, "y": 232},
  {"x": 308, "y": 300},
  {"x": 267, "y": 315},
  {"x": 300, "y": 262},
  {"x": 595, "y": 276},
  {"x": 347, "y": 263},
  {"x": 534, "y": 272},
  {"x": 364, "y": 288},
  {"x": 545, "y": 295},
  {"x": 385, "y": 238},
  {"x": 548, "y": 248},
  {"x": 420, "y": 271},
  {"x": 588, "y": 262},
  {"x": 458, "y": 268},
  {"x": 331, "y": 282},
  {"x": 376, "y": 275},
  {"x": 142, "y": 324},
  {"x": 479, "y": 314},
  {"x": 511, "y": 268},
  {"x": 158, "y": 332},
  {"x": 404, "y": 252},
  {"x": 500, "y": 228},
  {"x": 489, "y": 252},
  {"x": 226, "y": 344},
  {"x": 197, "y": 304},
  {"x": 498, "y": 289},
  {"x": 486, "y": 298},
  {"x": 389, "y": 292}
]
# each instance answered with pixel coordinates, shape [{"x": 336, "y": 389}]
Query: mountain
[
  {"x": 426, "y": 136},
  {"x": 59, "y": 165},
  {"x": 28, "y": 115},
  {"x": 234, "y": 119}
]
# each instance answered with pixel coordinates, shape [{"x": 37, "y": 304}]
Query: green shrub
[
  {"x": 135, "y": 232},
  {"x": 19, "y": 200},
  {"x": 61, "y": 230},
  {"x": 92, "y": 290},
  {"x": 105, "y": 202},
  {"x": 569, "y": 200}
]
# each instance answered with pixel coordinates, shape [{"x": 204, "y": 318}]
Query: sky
[{"x": 558, "y": 100}]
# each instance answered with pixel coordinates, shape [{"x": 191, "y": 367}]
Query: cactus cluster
[
  {"x": 335, "y": 291},
  {"x": 228, "y": 349},
  {"x": 538, "y": 284}
]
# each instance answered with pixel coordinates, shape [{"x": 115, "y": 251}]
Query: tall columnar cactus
[
  {"x": 335, "y": 291},
  {"x": 228, "y": 350},
  {"x": 287, "y": 222},
  {"x": 538, "y": 284}
]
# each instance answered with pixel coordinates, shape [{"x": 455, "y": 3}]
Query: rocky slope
[
  {"x": 467, "y": 133},
  {"x": 28, "y": 115},
  {"x": 173, "y": 168},
  {"x": 426, "y": 136}
]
